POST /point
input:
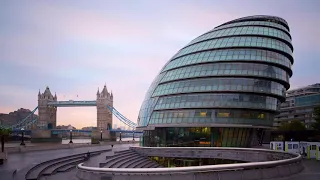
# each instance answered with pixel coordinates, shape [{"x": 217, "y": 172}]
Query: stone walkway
[
  {"x": 19, "y": 162},
  {"x": 311, "y": 171}
]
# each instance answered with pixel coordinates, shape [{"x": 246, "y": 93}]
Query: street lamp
[
  {"x": 70, "y": 136},
  {"x": 22, "y": 137},
  {"x": 101, "y": 135},
  {"x": 120, "y": 136}
]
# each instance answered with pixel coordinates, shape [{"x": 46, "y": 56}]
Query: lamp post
[
  {"x": 70, "y": 136},
  {"x": 2, "y": 143},
  {"x": 101, "y": 135},
  {"x": 22, "y": 137},
  {"x": 120, "y": 136}
]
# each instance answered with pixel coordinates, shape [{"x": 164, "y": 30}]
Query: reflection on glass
[{"x": 197, "y": 136}]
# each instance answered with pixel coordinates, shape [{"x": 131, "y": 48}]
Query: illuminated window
[
  {"x": 261, "y": 116},
  {"x": 180, "y": 114},
  {"x": 225, "y": 114},
  {"x": 203, "y": 114}
]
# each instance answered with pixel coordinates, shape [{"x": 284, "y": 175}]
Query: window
[
  {"x": 223, "y": 114},
  {"x": 261, "y": 116},
  {"x": 203, "y": 114}
]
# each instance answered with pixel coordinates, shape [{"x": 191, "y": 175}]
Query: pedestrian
[
  {"x": 111, "y": 145},
  {"x": 88, "y": 154}
]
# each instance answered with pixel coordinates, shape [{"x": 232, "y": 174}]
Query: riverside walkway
[{"x": 18, "y": 163}]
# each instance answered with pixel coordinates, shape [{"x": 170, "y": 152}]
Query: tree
[
  {"x": 3, "y": 132},
  {"x": 294, "y": 125},
  {"x": 316, "y": 114}
]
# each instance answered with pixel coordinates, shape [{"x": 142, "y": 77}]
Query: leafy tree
[
  {"x": 4, "y": 131},
  {"x": 294, "y": 125},
  {"x": 316, "y": 113}
]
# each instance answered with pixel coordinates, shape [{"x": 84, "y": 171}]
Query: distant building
[
  {"x": 65, "y": 127},
  {"x": 7, "y": 120},
  {"x": 299, "y": 105},
  {"x": 122, "y": 127},
  {"x": 90, "y": 128},
  {"x": 115, "y": 126}
]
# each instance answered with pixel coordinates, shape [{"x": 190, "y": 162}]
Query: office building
[
  {"x": 299, "y": 105},
  {"x": 221, "y": 89}
]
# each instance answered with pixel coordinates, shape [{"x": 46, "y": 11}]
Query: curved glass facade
[
  {"x": 245, "y": 55},
  {"x": 246, "y": 30},
  {"x": 221, "y": 89},
  {"x": 232, "y": 42},
  {"x": 227, "y": 69},
  {"x": 220, "y": 84}
]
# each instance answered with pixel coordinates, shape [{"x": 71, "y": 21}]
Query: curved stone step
[
  {"x": 148, "y": 164},
  {"x": 125, "y": 164},
  {"x": 34, "y": 173},
  {"x": 119, "y": 159},
  {"x": 122, "y": 164},
  {"x": 124, "y": 151},
  {"x": 142, "y": 163},
  {"x": 66, "y": 168},
  {"x": 49, "y": 170},
  {"x": 135, "y": 163},
  {"x": 113, "y": 158}
]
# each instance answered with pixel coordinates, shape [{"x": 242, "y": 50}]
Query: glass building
[
  {"x": 221, "y": 89},
  {"x": 299, "y": 105}
]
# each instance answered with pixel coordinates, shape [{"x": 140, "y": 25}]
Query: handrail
[{"x": 222, "y": 167}]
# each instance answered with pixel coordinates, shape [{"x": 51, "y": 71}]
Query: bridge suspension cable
[
  {"x": 27, "y": 121},
  {"x": 121, "y": 117},
  {"x": 24, "y": 122}
]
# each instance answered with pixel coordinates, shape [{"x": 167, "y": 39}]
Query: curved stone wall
[{"x": 265, "y": 164}]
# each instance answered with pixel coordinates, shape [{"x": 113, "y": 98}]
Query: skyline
[{"x": 76, "y": 48}]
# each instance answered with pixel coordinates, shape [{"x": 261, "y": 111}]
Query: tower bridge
[
  {"x": 47, "y": 108},
  {"x": 47, "y": 113}
]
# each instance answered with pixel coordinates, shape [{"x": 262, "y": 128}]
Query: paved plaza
[
  {"x": 21, "y": 162},
  {"x": 311, "y": 172}
]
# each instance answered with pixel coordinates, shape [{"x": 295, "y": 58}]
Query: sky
[{"x": 76, "y": 47}]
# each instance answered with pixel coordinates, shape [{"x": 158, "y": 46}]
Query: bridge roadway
[
  {"x": 21, "y": 162},
  {"x": 72, "y": 103}
]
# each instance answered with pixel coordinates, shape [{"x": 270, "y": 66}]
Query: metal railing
[{"x": 197, "y": 169}]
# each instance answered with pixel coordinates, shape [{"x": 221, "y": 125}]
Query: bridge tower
[
  {"x": 104, "y": 116},
  {"x": 47, "y": 114}
]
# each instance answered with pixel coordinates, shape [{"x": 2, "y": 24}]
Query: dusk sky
[{"x": 74, "y": 47}]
